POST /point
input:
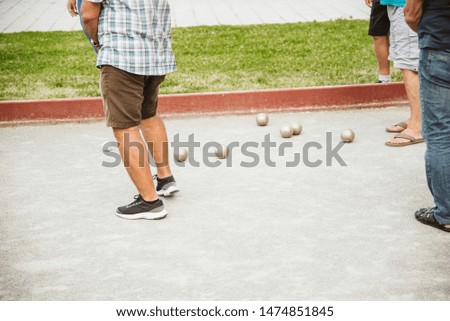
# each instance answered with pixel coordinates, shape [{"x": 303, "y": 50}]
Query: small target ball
[
  {"x": 222, "y": 151},
  {"x": 296, "y": 128},
  {"x": 262, "y": 119},
  {"x": 286, "y": 131},
  {"x": 347, "y": 135},
  {"x": 181, "y": 155}
]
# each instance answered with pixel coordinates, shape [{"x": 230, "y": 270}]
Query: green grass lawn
[{"x": 39, "y": 65}]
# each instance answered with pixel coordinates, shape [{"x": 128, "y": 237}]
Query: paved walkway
[{"x": 51, "y": 15}]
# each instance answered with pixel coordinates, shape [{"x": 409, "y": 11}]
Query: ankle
[
  {"x": 415, "y": 129},
  {"x": 165, "y": 179},
  {"x": 150, "y": 198},
  {"x": 152, "y": 202},
  {"x": 163, "y": 176}
]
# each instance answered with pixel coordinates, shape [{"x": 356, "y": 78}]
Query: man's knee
[{"x": 120, "y": 133}]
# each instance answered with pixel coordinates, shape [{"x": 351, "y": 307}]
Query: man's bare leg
[
  {"x": 135, "y": 158},
  {"x": 411, "y": 80},
  {"x": 155, "y": 135},
  {"x": 381, "y": 48}
]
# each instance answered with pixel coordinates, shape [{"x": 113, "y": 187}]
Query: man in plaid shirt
[{"x": 133, "y": 39}]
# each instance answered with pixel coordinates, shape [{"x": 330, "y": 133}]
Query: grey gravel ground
[{"x": 232, "y": 233}]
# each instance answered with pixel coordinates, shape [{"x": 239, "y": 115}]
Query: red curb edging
[{"x": 330, "y": 97}]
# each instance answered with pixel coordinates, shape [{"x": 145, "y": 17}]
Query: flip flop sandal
[
  {"x": 426, "y": 216},
  {"x": 411, "y": 141},
  {"x": 400, "y": 124}
]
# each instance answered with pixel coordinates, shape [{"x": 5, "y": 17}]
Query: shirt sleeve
[{"x": 95, "y": 1}]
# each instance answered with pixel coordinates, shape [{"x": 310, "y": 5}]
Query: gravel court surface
[{"x": 232, "y": 233}]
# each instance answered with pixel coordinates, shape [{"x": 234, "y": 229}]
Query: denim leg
[
  {"x": 434, "y": 76},
  {"x": 79, "y": 2}
]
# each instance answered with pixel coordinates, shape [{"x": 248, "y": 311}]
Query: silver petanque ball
[
  {"x": 181, "y": 155},
  {"x": 296, "y": 128},
  {"x": 286, "y": 131},
  {"x": 262, "y": 119},
  {"x": 347, "y": 135},
  {"x": 222, "y": 152}
]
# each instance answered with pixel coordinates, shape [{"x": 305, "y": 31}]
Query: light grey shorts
[{"x": 404, "y": 47}]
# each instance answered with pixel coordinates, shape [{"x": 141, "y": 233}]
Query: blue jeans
[
  {"x": 79, "y": 2},
  {"x": 434, "y": 77}
]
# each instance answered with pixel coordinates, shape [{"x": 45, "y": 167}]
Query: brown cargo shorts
[{"x": 128, "y": 98}]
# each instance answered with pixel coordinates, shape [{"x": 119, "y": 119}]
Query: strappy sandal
[
  {"x": 426, "y": 216},
  {"x": 401, "y": 124},
  {"x": 411, "y": 141}
]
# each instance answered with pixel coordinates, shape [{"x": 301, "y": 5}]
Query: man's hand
[
  {"x": 413, "y": 13},
  {"x": 368, "y": 3},
  {"x": 72, "y": 7}
]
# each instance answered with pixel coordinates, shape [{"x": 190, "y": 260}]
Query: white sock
[{"x": 384, "y": 78}]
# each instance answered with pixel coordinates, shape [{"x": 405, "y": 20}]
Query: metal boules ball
[
  {"x": 262, "y": 119},
  {"x": 286, "y": 131},
  {"x": 296, "y": 128},
  {"x": 222, "y": 151},
  {"x": 347, "y": 135},
  {"x": 181, "y": 155}
]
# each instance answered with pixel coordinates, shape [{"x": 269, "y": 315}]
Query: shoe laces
[{"x": 137, "y": 198}]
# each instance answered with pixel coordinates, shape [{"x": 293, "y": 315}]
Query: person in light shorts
[
  {"x": 404, "y": 48},
  {"x": 404, "y": 52}
]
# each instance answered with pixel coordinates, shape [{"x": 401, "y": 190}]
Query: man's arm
[
  {"x": 368, "y": 3},
  {"x": 90, "y": 12},
  {"x": 413, "y": 13}
]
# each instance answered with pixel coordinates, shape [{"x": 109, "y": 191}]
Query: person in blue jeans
[
  {"x": 431, "y": 19},
  {"x": 74, "y": 8}
]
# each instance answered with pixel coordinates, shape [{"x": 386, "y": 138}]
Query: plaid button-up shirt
[{"x": 135, "y": 36}]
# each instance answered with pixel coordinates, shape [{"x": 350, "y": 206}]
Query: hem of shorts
[
  {"x": 376, "y": 34},
  {"x": 405, "y": 66},
  {"x": 123, "y": 125},
  {"x": 147, "y": 117}
]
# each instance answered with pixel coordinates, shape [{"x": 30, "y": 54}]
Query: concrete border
[{"x": 311, "y": 98}]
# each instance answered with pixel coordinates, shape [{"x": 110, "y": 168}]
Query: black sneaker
[
  {"x": 166, "y": 186},
  {"x": 140, "y": 209}
]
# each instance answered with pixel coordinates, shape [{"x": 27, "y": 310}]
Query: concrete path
[
  {"x": 52, "y": 15},
  {"x": 232, "y": 233}
]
